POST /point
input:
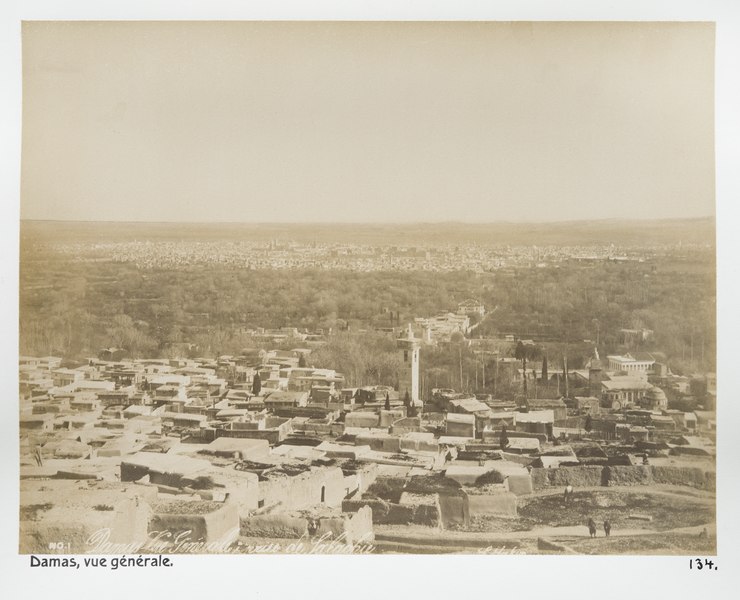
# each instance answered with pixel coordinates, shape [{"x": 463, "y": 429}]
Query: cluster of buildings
[
  {"x": 624, "y": 397},
  {"x": 215, "y": 453},
  {"x": 443, "y": 326}
]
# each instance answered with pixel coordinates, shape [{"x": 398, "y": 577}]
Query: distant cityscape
[{"x": 278, "y": 255}]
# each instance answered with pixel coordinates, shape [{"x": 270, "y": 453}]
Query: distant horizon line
[{"x": 384, "y": 223}]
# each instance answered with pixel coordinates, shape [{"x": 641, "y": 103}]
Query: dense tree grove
[
  {"x": 674, "y": 298},
  {"x": 74, "y": 308},
  {"x": 364, "y": 359}
]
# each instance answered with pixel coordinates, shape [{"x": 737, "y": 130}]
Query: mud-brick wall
[
  {"x": 101, "y": 531},
  {"x": 540, "y": 478},
  {"x": 347, "y": 528},
  {"x": 629, "y": 475},
  {"x": 366, "y": 476},
  {"x": 273, "y": 436},
  {"x": 359, "y": 526},
  {"x": 350, "y": 528},
  {"x": 221, "y": 525},
  {"x": 454, "y": 510},
  {"x": 690, "y": 476},
  {"x": 304, "y": 490},
  {"x": 336, "y": 429},
  {"x": 381, "y": 443},
  {"x": 585, "y": 476},
  {"x": 279, "y": 525},
  {"x": 390, "y": 513},
  {"x": 502, "y": 504},
  {"x": 243, "y": 491},
  {"x": 134, "y": 472},
  {"x": 590, "y": 476}
]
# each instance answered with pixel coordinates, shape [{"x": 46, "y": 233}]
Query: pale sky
[{"x": 367, "y": 122}]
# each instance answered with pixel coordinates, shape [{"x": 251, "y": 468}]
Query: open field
[
  {"x": 668, "y": 511},
  {"x": 677, "y": 525}
]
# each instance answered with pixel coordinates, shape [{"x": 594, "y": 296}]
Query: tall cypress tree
[{"x": 545, "y": 376}]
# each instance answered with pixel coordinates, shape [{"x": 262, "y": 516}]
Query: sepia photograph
[
  {"x": 331, "y": 299},
  {"x": 367, "y": 287}
]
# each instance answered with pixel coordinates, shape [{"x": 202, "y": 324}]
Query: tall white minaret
[{"x": 408, "y": 378}]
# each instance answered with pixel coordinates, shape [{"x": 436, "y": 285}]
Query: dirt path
[
  {"x": 428, "y": 535},
  {"x": 676, "y": 491},
  {"x": 455, "y": 540}
]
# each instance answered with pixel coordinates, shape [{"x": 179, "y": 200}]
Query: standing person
[
  {"x": 607, "y": 527},
  {"x": 568, "y": 495},
  {"x": 503, "y": 439},
  {"x": 591, "y": 528}
]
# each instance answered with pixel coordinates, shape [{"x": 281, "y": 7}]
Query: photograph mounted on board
[{"x": 367, "y": 287}]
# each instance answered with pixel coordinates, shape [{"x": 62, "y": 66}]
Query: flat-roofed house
[
  {"x": 284, "y": 399},
  {"x": 460, "y": 425},
  {"x": 639, "y": 362}
]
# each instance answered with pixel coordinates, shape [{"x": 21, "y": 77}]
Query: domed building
[{"x": 654, "y": 399}]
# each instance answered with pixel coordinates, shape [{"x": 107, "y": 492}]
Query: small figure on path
[
  {"x": 568, "y": 495},
  {"x": 592, "y": 528},
  {"x": 607, "y": 528}
]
